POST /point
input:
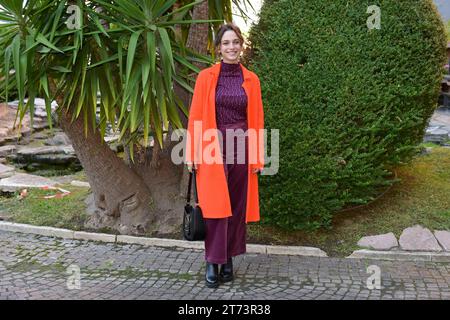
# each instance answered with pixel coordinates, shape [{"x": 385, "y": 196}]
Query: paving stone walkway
[{"x": 37, "y": 267}]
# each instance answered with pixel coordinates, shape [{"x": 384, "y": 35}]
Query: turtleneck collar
[
  {"x": 230, "y": 67},
  {"x": 215, "y": 70}
]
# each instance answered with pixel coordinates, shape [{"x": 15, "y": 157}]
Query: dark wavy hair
[{"x": 224, "y": 28}]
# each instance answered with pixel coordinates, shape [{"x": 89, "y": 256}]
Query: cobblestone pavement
[{"x": 37, "y": 267}]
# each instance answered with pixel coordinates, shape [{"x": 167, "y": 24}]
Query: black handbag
[{"x": 193, "y": 223}]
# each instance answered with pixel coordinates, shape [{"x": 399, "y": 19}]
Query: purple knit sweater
[{"x": 231, "y": 99}]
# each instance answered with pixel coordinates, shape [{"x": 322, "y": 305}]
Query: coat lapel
[
  {"x": 247, "y": 85},
  {"x": 212, "y": 84}
]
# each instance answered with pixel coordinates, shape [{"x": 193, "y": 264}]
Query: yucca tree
[{"x": 134, "y": 61}]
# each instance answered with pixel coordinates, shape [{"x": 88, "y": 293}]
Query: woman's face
[{"x": 230, "y": 47}]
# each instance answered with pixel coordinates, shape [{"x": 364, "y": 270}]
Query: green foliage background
[
  {"x": 448, "y": 30},
  {"x": 350, "y": 103}
]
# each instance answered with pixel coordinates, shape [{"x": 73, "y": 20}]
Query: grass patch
[
  {"x": 52, "y": 171},
  {"x": 429, "y": 145},
  {"x": 67, "y": 212},
  {"x": 422, "y": 197}
]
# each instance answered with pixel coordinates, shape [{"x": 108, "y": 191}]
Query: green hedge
[
  {"x": 448, "y": 30},
  {"x": 350, "y": 102}
]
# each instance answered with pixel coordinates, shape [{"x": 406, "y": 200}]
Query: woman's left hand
[{"x": 256, "y": 170}]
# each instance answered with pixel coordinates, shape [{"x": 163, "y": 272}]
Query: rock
[
  {"x": 42, "y": 135},
  {"x": 39, "y": 125},
  {"x": 433, "y": 124},
  {"x": 25, "y": 131},
  {"x": 55, "y": 158},
  {"x": 3, "y": 160},
  {"x": 13, "y": 104},
  {"x": 432, "y": 127},
  {"x": 418, "y": 238},
  {"x": 83, "y": 184},
  {"x": 6, "y": 171},
  {"x": 38, "y": 102},
  {"x": 110, "y": 139},
  {"x": 9, "y": 124},
  {"x": 33, "y": 151},
  {"x": 443, "y": 237},
  {"x": 14, "y": 138},
  {"x": 40, "y": 113},
  {"x": 52, "y": 155},
  {"x": 3, "y": 109},
  {"x": 23, "y": 180},
  {"x": 7, "y": 150},
  {"x": 4, "y": 131},
  {"x": 379, "y": 242},
  {"x": 436, "y": 135},
  {"x": 59, "y": 139}
]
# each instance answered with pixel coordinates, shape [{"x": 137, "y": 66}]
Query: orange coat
[{"x": 212, "y": 187}]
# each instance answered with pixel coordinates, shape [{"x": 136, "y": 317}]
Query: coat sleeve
[
  {"x": 195, "y": 115},
  {"x": 260, "y": 126}
]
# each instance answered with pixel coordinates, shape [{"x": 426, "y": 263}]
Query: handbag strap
[{"x": 192, "y": 176}]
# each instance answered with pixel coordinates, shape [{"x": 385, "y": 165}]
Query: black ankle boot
[
  {"x": 226, "y": 271},
  {"x": 212, "y": 275}
]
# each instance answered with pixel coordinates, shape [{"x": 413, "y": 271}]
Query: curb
[
  {"x": 158, "y": 242},
  {"x": 401, "y": 255}
]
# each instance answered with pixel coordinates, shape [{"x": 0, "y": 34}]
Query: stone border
[
  {"x": 103, "y": 237},
  {"x": 397, "y": 255},
  {"x": 401, "y": 255}
]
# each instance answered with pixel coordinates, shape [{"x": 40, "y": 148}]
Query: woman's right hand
[{"x": 189, "y": 166}]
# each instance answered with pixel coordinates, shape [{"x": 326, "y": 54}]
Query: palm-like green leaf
[{"x": 124, "y": 53}]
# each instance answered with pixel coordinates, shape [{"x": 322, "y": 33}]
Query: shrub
[
  {"x": 350, "y": 102},
  {"x": 448, "y": 30}
]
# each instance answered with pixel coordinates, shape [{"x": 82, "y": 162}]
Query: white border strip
[
  {"x": 103, "y": 237},
  {"x": 401, "y": 255}
]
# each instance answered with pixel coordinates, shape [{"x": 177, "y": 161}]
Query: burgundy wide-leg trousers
[{"x": 226, "y": 237}]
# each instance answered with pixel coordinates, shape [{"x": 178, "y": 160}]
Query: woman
[{"x": 227, "y": 97}]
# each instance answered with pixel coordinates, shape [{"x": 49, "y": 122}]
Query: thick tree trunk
[
  {"x": 163, "y": 181},
  {"x": 198, "y": 33},
  {"x": 122, "y": 199}
]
